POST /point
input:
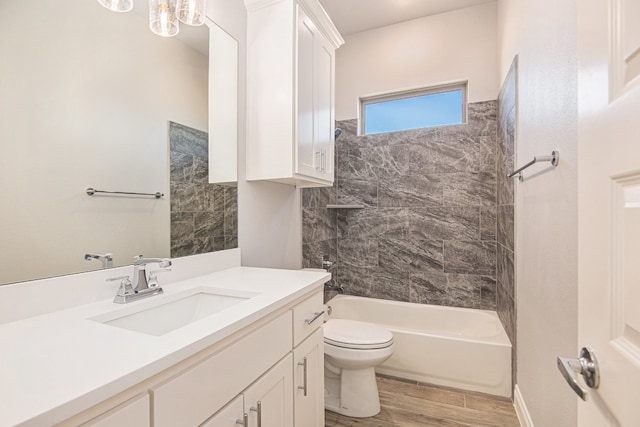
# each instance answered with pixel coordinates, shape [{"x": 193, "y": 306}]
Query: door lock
[{"x": 586, "y": 365}]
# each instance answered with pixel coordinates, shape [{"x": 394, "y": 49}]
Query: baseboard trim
[{"x": 521, "y": 409}]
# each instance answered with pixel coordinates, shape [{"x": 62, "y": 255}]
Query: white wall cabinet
[{"x": 290, "y": 90}]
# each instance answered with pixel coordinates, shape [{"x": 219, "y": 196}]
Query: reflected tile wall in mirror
[{"x": 204, "y": 217}]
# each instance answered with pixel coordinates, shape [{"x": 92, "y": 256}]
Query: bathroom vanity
[{"x": 240, "y": 346}]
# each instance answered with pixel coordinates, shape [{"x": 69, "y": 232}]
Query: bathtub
[{"x": 454, "y": 347}]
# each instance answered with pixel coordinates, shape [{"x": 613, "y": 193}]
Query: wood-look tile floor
[{"x": 407, "y": 404}]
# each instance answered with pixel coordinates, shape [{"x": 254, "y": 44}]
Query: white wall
[
  {"x": 453, "y": 46},
  {"x": 94, "y": 119},
  {"x": 269, "y": 214},
  {"x": 543, "y": 33}
]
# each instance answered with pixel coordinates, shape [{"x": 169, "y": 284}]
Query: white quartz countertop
[{"x": 56, "y": 365}]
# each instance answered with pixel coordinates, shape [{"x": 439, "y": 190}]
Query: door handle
[{"x": 586, "y": 365}]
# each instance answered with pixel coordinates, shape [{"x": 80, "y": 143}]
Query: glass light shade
[
  {"x": 117, "y": 5},
  {"x": 162, "y": 17},
  {"x": 191, "y": 12}
]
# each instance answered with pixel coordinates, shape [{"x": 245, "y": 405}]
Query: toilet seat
[{"x": 356, "y": 335}]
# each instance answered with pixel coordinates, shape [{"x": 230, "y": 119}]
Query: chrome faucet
[
  {"x": 105, "y": 259},
  {"x": 328, "y": 265},
  {"x": 140, "y": 281},
  {"x": 141, "y": 287},
  {"x": 334, "y": 288}
]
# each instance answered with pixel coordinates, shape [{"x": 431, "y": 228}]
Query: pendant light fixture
[
  {"x": 117, "y": 5},
  {"x": 165, "y": 14},
  {"x": 191, "y": 12},
  {"x": 162, "y": 17}
]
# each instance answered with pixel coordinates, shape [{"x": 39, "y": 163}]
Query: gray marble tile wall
[
  {"x": 428, "y": 231},
  {"x": 505, "y": 275},
  {"x": 204, "y": 217}
]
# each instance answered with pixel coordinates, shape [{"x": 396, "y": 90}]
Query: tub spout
[{"x": 336, "y": 288}]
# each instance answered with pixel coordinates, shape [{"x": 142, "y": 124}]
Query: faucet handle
[
  {"x": 125, "y": 288},
  {"x": 153, "y": 278},
  {"x": 141, "y": 260}
]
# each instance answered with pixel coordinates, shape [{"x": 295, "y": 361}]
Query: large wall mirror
[{"x": 92, "y": 98}]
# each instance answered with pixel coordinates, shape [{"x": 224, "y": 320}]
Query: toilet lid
[{"x": 354, "y": 334}]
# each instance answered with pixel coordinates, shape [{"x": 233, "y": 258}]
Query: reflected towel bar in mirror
[
  {"x": 345, "y": 206},
  {"x": 92, "y": 191},
  {"x": 554, "y": 158}
]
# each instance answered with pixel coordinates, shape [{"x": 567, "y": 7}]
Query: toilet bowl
[{"x": 352, "y": 350}]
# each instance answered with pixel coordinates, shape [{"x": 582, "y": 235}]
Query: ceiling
[{"x": 354, "y": 16}]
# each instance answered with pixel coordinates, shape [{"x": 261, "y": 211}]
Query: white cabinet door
[
  {"x": 308, "y": 360},
  {"x": 269, "y": 401},
  {"x": 323, "y": 107},
  {"x": 306, "y": 161},
  {"x": 229, "y": 416},
  {"x": 315, "y": 72}
]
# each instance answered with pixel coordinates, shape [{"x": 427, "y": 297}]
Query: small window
[{"x": 435, "y": 106}]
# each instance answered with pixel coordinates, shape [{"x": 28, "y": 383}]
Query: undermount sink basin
[{"x": 169, "y": 316}]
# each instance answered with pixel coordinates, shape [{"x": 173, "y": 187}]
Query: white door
[{"x": 609, "y": 207}]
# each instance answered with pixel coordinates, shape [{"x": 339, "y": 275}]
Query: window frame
[{"x": 411, "y": 93}]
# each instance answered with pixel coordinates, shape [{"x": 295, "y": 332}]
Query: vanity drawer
[
  {"x": 133, "y": 413},
  {"x": 307, "y": 317},
  {"x": 193, "y": 396}
]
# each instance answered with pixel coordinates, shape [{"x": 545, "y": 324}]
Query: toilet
[{"x": 352, "y": 349}]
